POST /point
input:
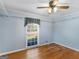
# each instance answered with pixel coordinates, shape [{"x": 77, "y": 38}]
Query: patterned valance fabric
[{"x": 31, "y": 20}]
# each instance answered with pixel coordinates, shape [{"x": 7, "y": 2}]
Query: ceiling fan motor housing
[{"x": 51, "y": 4}]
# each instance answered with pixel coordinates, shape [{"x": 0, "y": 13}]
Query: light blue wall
[
  {"x": 67, "y": 33},
  {"x": 46, "y": 32},
  {"x": 12, "y": 33}
]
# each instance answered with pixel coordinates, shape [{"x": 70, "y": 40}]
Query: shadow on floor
[{"x": 3, "y": 57}]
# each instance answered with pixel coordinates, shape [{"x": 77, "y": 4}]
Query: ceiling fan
[{"x": 54, "y": 5}]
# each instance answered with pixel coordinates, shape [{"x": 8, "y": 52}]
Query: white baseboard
[
  {"x": 10, "y": 52},
  {"x": 68, "y": 47},
  {"x": 45, "y": 44},
  {"x": 5, "y": 53},
  {"x": 39, "y": 45},
  {"x": 1, "y": 54}
]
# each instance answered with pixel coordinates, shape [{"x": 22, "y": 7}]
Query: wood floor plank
[{"x": 51, "y": 51}]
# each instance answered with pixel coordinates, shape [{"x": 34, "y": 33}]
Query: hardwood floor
[{"x": 51, "y": 51}]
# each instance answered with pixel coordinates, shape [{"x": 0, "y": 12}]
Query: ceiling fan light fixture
[
  {"x": 55, "y": 9},
  {"x": 49, "y": 10}
]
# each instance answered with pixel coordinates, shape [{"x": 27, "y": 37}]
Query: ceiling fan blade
[
  {"x": 42, "y": 7},
  {"x": 63, "y": 7}
]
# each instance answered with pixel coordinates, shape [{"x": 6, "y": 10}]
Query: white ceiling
[{"x": 7, "y": 6}]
